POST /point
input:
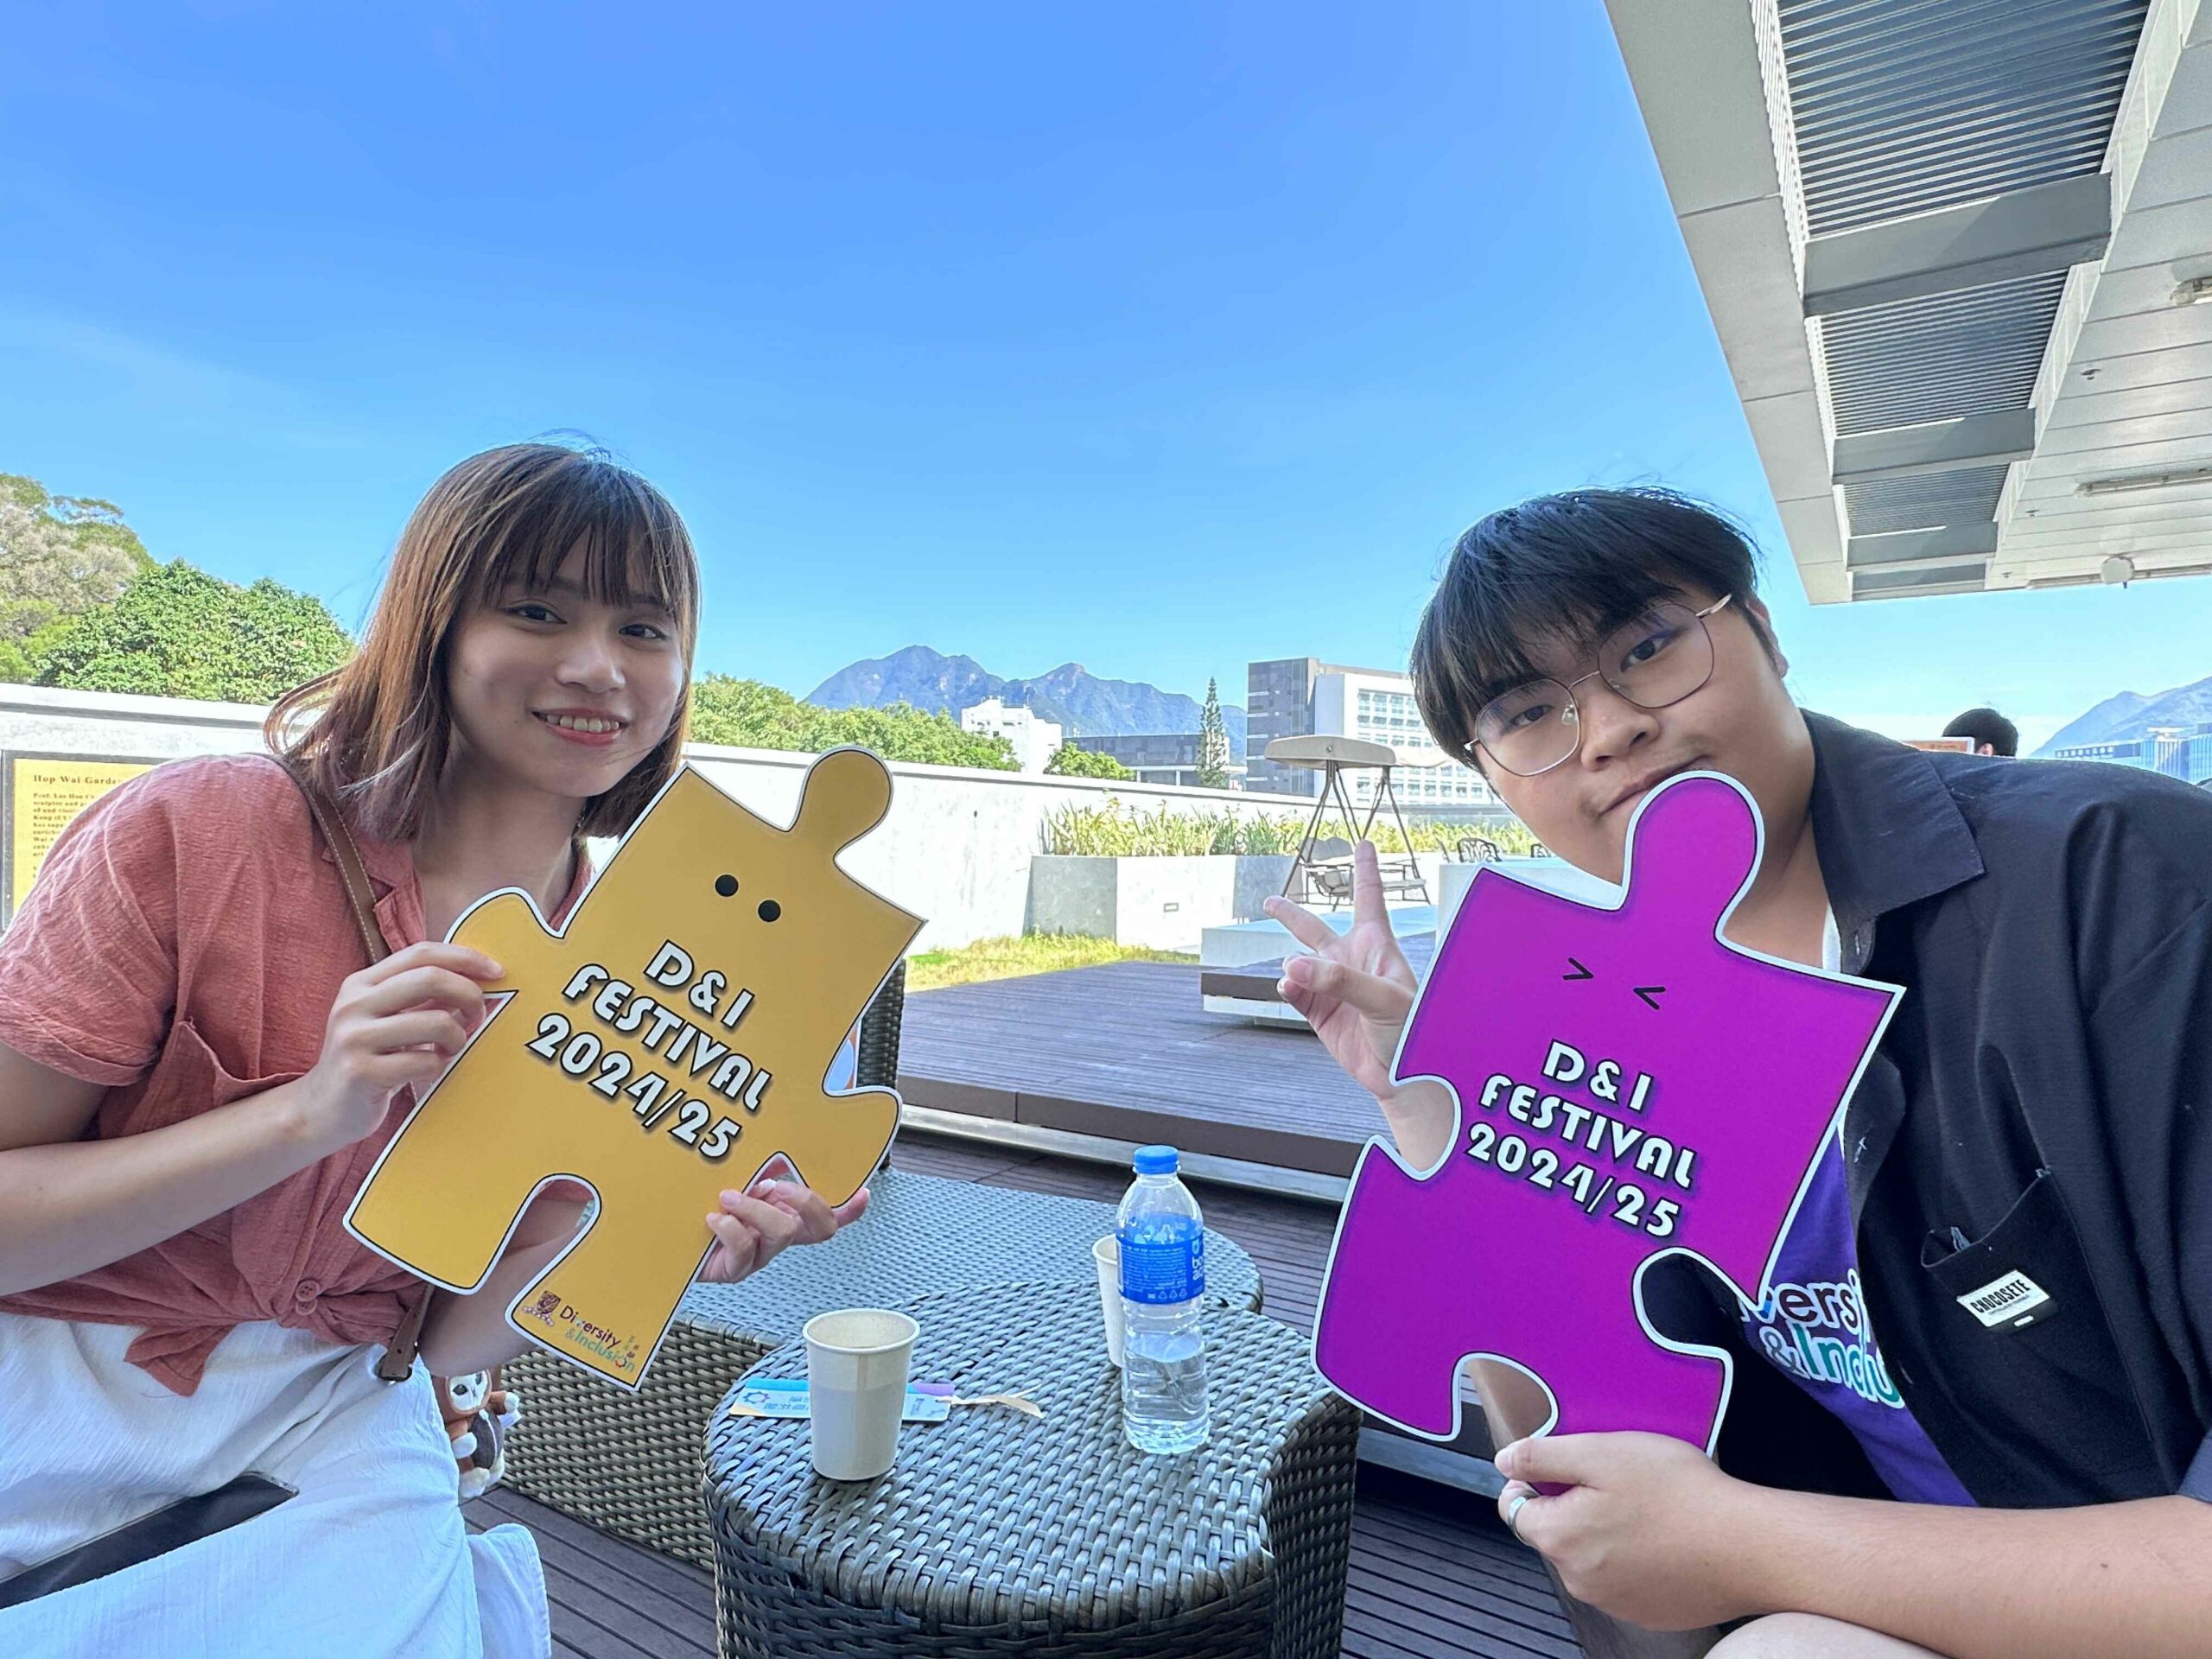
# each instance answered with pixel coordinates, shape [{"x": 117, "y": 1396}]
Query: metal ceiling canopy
[
  {"x": 1902, "y": 109},
  {"x": 1949, "y": 246},
  {"x": 1976, "y": 352},
  {"x": 2002, "y": 435}
]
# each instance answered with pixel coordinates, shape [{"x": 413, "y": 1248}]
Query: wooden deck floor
[
  {"x": 1125, "y": 1052},
  {"x": 1434, "y": 1575}
]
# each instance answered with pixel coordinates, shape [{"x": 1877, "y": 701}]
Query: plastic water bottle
[{"x": 1163, "y": 1245}]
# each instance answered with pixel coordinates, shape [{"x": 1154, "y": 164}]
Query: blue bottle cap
[{"x": 1156, "y": 1160}]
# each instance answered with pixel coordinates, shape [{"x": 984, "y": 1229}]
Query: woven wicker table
[
  {"x": 997, "y": 1534},
  {"x": 628, "y": 1464}
]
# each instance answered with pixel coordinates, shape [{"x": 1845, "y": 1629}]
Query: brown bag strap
[
  {"x": 397, "y": 1360},
  {"x": 350, "y": 870}
]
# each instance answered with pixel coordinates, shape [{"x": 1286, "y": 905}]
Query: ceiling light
[
  {"x": 2127, "y": 482},
  {"x": 2197, "y": 291},
  {"x": 2116, "y": 571}
]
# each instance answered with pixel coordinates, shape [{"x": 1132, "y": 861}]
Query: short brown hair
[
  {"x": 1574, "y": 565},
  {"x": 377, "y": 731}
]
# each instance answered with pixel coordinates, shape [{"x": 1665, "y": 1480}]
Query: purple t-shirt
[{"x": 1812, "y": 1326}]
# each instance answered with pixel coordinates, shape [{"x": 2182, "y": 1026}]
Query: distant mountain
[
  {"x": 2130, "y": 715},
  {"x": 1070, "y": 694}
]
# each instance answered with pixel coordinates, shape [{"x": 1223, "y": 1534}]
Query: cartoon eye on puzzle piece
[
  {"x": 670, "y": 1039},
  {"x": 1648, "y": 994},
  {"x": 768, "y": 910},
  {"x": 1629, "y": 1087}
]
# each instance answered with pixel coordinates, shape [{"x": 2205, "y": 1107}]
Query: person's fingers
[
  {"x": 442, "y": 1027},
  {"x": 1512, "y": 1490},
  {"x": 808, "y": 1208},
  {"x": 737, "y": 1246},
  {"x": 437, "y": 986},
  {"x": 1372, "y": 995},
  {"x": 803, "y": 1201},
  {"x": 1554, "y": 1459},
  {"x": 435, "y": 953},
  {"x": 784, "y": 1193},
  {"x": 1367, "y": 904},
  {"x": 1527, "y": 1514},
  {"x": 1304, "y": 926},
  {"x": 775, "y": 1225}
]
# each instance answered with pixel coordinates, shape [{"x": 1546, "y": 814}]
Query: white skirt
[{"x": 371, "y": 1558}]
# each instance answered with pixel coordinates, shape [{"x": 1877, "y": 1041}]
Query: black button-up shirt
[{"x": 2041, "y": 1105}]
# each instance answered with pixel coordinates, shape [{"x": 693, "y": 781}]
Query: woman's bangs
[{"x": 632, "y": 554}]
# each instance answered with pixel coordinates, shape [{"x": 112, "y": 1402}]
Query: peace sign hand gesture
[{"x": 1356, "y": 989}]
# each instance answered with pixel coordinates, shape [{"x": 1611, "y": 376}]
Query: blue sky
[{"x": 1156, "y": 337}]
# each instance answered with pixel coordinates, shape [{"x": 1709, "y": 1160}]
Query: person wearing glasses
[{"x": 1901, "y": 1469}]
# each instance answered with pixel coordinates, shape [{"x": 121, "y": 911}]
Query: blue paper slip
[
  {"x": 926, "y": 1403},
  {"x": 787, "y": 1397}
]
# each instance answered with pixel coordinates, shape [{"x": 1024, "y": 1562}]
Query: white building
[
  {"x": 1378, "y": 706},
  {"x": 1034, "y": 742},
  {"x": 1297, "y": 695}
]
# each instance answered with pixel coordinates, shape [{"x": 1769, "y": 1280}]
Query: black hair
[
  {"x": 1573, "y": 566},
  {"x": 1982, "y": 726}
]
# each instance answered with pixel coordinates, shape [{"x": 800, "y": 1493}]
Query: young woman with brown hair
[{"x": 197, "y": 1071}]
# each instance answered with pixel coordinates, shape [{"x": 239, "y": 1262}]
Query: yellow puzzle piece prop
[{"x": 664, "y": 1044}]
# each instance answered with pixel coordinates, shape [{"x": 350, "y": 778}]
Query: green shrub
[
  {"x": 1069, "y": 761},
  {"x": 177, "y": 631},
  {"x": 748, "y": 715},
  {"x": 1118, "y": 831}
]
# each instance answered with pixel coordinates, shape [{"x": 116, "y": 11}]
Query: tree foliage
[
  {"x": 1213, "y": 741},
  {"x": 1069, "y": 761},
  {"x": 747, "y": 714},
  {"x": 177, "y": 632},
  {"x": 61, "y": 555}
]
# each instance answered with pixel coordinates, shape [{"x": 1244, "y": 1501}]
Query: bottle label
[{"x": 1163, "y": 1263}]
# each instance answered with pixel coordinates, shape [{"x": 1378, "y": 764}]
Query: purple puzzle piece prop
[{"x": 1629, "y": 1087}]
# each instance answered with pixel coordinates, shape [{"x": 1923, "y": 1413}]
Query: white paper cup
[
  {"x": 857, "y": 1361},
  {"x": 1107, "y": 1254}
]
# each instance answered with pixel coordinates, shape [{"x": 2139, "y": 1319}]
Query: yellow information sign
[{"x": 47, "y": 795}]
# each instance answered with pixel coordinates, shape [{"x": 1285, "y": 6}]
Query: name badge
[{"x": 2011, "y": 1300}]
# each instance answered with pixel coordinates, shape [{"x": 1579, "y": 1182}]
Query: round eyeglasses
[{"x": 1659, "y": 659}]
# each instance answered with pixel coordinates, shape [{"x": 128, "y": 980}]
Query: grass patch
[{"x": 1033, "y": 953}]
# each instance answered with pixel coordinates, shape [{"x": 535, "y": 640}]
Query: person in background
[{"x": 1989, "y": 732}]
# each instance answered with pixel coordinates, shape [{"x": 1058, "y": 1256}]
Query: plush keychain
[{"x": 478, "y": 1411}]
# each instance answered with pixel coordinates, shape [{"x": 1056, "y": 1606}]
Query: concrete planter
[
  {"x": 1161, "y": 904},
  {"x": 1260, "y": 876}
]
